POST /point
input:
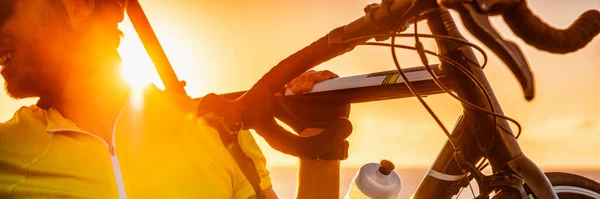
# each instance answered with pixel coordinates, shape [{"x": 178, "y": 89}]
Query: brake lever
[{"x": 477, "y": 22}]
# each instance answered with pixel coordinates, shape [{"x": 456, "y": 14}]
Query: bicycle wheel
[{"x": 566, "y": 186}]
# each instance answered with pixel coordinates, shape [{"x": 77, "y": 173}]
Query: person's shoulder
[
  {"x": 153, "y": 96},
  {"x": 24, "y": 118},
  {"x": 27, "y": 124}
]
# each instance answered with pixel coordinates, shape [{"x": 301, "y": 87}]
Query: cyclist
[{"x": 84, "y": 138}]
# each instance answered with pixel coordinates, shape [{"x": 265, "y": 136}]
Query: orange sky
[{"x": 225, "y": 46}]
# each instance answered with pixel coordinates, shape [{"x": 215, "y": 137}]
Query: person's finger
[
  {"x": 296, "y": 88},
  {"x": 308, "y": 82},
  {"x": 304, "y": 82},
  {"x": 307, "y": 86},
  {"x": 296, "y": 80},
  {"x": 308, "y": 75},
  {"x": 293, "y": 89},
  {"x": 325, "y": 75},
  {"x": 292, "y": 83}
]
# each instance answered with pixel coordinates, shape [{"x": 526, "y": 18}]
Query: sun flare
[{"x": 137, "y": 68}]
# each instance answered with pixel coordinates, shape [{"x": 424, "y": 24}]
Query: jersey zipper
[
  {"x": 114, "y": 159},
  {"x": 111, "y": 149}
]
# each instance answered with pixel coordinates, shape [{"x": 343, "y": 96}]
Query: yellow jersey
[{"x": 160, "y": 149}]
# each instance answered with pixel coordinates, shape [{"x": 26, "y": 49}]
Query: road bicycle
[{"x": 482, "y": 136}]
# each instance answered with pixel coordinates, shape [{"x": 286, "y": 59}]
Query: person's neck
[{"x": 93, "y": 100}]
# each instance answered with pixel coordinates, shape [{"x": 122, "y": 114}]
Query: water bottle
[{"x": 375, "y": 181}]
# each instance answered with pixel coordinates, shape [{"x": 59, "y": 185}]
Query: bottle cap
[{"x": 386, "y": 167}]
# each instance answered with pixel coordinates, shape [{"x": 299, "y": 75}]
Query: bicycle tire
[
  {"x": 567, "y": 186},
  {"x": 571, "y": 186}
]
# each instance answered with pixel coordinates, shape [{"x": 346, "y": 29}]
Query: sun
[{"x": 137, "y": 67}]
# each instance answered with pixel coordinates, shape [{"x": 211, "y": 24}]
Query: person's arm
[
  {"x": 318, "y": 178},
  {"x": 269, "y": 194},
  {"x": 252, "y": 150}
]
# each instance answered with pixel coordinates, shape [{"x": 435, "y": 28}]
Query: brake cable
[
  {"x": 445, "y": 37},
  {"x": 421, "y": 51}
]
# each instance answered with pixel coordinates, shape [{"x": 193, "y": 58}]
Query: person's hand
[
  {"x": 306, "y": 81},
  {"x": 254, "y": 110}
]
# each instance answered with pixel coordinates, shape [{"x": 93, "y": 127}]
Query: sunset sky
[{"x": 225, "y": 46}]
